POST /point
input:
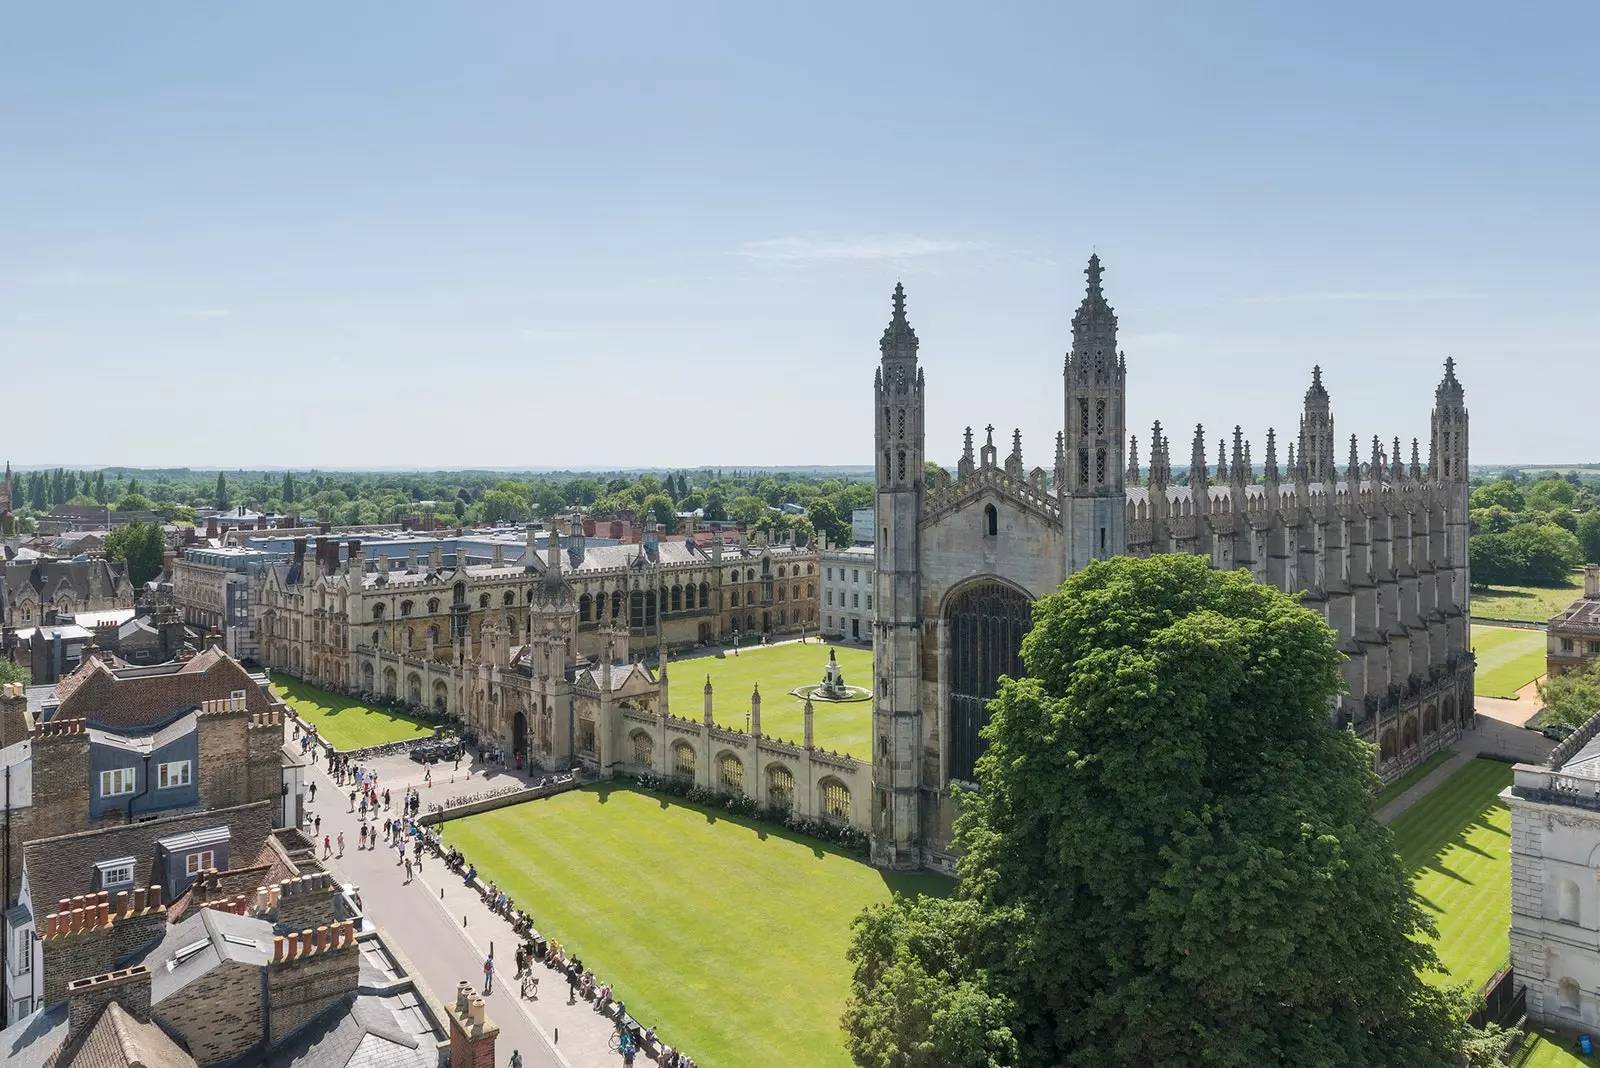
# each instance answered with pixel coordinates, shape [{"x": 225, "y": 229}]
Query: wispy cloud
[
  {"x": 1374, "y": 296},
  {"x": 882, "y": 247},
  {"x": 211, "y": 313}
]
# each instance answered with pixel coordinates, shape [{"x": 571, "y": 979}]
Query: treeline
[
  {"x": 801, "y": 503},
  {"x": 1533, "y": 532}
]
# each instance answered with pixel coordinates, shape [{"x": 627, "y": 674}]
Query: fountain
[{"x": 832, "y": 687}]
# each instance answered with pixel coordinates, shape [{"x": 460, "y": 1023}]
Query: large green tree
[
  {"x": 141, "y": 547},
  {"x": 221, "y": 496},
  {"x": 1589, "y": 535},
  {"x": 1171, "y": 859},
  {"x": 12, "y": 672},
  {"x": 1573, "y": 697}
]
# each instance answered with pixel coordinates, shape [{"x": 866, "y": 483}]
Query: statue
[{"x": 833, "y": 686}]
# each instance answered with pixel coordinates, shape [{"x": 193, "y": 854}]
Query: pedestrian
[
  {"x": 341, "y": 843},
  {"x": 408, "y": 870},
  {"x": 572, "y": 985},
  {"x": 363, "y": 808},
  {"x": 386, "y": 800},
  {"x": 488, "y": 975},
  {"x": 313, "y": 791},
  {"x": 327, "y": 847},
  {"x": 363, "y": 836},
  {"x": 516, "y": 1059},
  {"x": 352, "y": 800},
  {"x": 317, "y": 825},
  {"x": 387, "y": 832}
]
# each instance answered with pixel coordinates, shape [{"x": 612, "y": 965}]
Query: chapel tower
[
  {"x": 897, "y": 629},
  {"x": 1316, "y": 433},
  {"x": 1448, "y": 470},
  {"x": 1093, "y": 497}
]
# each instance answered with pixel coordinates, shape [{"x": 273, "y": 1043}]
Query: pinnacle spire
[
  {"x": 1133, "y": 459},
  {"x": 1093, "y": 273},
  {"x": 1354, "y": 475},
  {"x": 1317, "y": 392},
  {"x": 1238, "y": 453},
  {"x": 1397, "y": 466},
  {"x": 1270, "y": 471},
  {"x": 1222, "y": 460},
  {"x": 1416, "y": 462},
  {"x": 898, "y": 337},
  {"x": 1197, "y": 459}
]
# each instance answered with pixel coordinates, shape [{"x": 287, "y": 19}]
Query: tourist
[
  {"x": 341, "y": 843},
  {"x": 572, "y": 986},
  {"x": 352, "y": 800},
  {"x": 386, "y": 800},
  {"x": 327, "y": 847},
  {"x": 516, "y": 1059},
  {"x": 530, "y": 986},
  {"x": 313, "y": 791},
  {"x": 488, "y": 974},
  {"x": 388, "y": 829},
  {"x": 363, "y": 809},
  {"x": 317, "y": 825},
  {"x": 408, "y": 869}
]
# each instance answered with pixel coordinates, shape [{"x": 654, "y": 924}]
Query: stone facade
[
  {"x": 42, "y": 591},
  {"x": 1379, "y": 548},
  {"x": 1573, "y": 635},
  {"x": 847, "y": 590}
]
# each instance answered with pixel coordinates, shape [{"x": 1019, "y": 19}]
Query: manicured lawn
[
  {"x": 1508, "y": 659},
  {"x": 1550, "y": 1049},
  {"x": 1536, "y": 603},
  {"x": 728, "y": 935},
  {"x": 1456, "y": 842},
  {"x": 778, "y": 669},
  {"x": 344, "y": 722},
  {"x": 1410, "y": 779}
]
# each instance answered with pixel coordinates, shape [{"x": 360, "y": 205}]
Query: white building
[
  {"x": 1555, "y": 884},
  {"x": 847, "y": 577}
]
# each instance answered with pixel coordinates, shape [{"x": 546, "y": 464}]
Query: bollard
[
  {"x": 463, "y": 919},
  {"x": 441, "y": 893},
  {"x": 557, "y": 1039}
]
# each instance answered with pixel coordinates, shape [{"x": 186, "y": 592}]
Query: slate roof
[
  {"x": 201, "y": 943},
  {"x": 34, "y": 1041},
  {"x": 63, "y": 866},
  {"x": 1582, "y": 615},
  {"x": 44, "y": 576},
  {"x": 368, "y": 1035},
  {"x": 117, "y": 1040}
]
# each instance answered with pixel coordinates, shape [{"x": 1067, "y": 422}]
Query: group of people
[{"x": 308, "y": 738}]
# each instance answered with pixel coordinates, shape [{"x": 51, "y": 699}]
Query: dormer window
[{"x": 114, "y": 874}]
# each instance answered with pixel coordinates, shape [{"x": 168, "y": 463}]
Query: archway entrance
[
  {"x": 986, "y": 622},
  {"x": 519, "y": 735}
]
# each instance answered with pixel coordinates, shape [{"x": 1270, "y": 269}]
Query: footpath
[
  {"x": 447, "y": 935},
  {"x": 1491, "y": 736}
]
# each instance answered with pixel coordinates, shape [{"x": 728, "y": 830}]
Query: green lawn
[
  {"x": 1508, "y": 659},
  {"x": 1550, "y": 1049},
  {"x": 1456, "y": 842},
  {"x": 345, "y": 723},
  {"x": 778, "y": 669},
  {"x": 728, "y": 935},
  {"x": 1535, "y": 603},
  {"x": 1410, "y": 779}
]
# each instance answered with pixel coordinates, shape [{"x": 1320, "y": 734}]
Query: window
[
  {"x": 509, "y": 599},
  {"x": 405, "y": 608},
  {"x": 116, "y": 782},
  {"x": 196, "y": 863},
  {"x": 1566, "y": 645},
  {"x": 1568, "y": 905},
  {"x": 855, "y": 575},
  {"x": 991, "y": 520},
  {"x": 21, "y": 1007},
  {"x": 22, "y": 955},
  {"x": 869, "y": 602},
  {"x": 829, "y": 595},
  {"x": 116, "y": 873},
  {"x": 830, "y": 574},
  {"x": 733, "y": 598},
  {"x": 171, "y": 775},
  {"x": 483, "y": 602},
  {"x": 1594, "y": 648},
  {"x": 433, "y": 605},
  {"x": 377, "y": 611},
  {"x": 855, "y": 600},
  {"x": 830, "y": 622}
]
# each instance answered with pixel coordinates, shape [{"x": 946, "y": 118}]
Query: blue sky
[{"x": 434, "y": 235}]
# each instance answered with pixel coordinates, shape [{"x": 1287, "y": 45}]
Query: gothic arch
[
  {"x": 985, "y": 620},
  {"x": 366, "y": 677},
  {"x": 391, "y": 682},
  {"x": 644, "y": 747},
  {"x": 730, "y": 771},
  {"x": 833, "y": 799},
  {"x": 414, "y": 689},
  {"x": 1408, "y": 734},
  {"x": 1430, "y": 720},
  {"x": 780, "y": 786},
  {"x": 683, "y": 759},
  {"x": 441, "y": 696},
  {"x": 1386, "y": 746}
]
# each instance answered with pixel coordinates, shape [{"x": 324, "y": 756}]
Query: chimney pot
[
  {"x": 322, "y": 938},
  {"x": 155, "y": 897},
  {"x": 277, "y": 947}
]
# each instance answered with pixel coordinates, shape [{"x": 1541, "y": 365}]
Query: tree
[
  {"x": 825, "y": 519},
  {"x": 141, "y": 547},
  {"x": 1549, "y": 552},
  {"x": 222, "y": 491},
  {"x": 1550, "y": 493},
  {"x": 1573, "y": 696},
  {"x": 134, "y": 502},
  {"x": 1504, "y": 493},
  {"x": 1589, "y": 535},
  {"x": 1172, "y": 859},
  {"x": 288, "y": 488},
  {"x": 658, "y": 508},
  {"x": 13, "y": 672}
]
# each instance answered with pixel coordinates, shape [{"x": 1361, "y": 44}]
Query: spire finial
[
  {"x": 898, "y": 337},
  {"x": 1133, "y": 460},
  {"x": 966, "y": 450},
  {"x": 1416, "y": 461},
  {"x": 990, "y": 431},
  {"x": 1354, "y": 474},
  {"x": 1093, "y": 273},
  {"x": 1222, "y": 460}
]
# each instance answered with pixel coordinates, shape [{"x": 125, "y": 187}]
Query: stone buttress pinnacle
[{"x": 899, "y": 340}]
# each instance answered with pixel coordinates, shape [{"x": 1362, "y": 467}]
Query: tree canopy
[
  {"x": 1171, "y": 859},
  {"x": 141, "y": 547},
  {"x": 1572, "y": 697}
]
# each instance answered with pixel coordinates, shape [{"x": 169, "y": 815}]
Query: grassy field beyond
[
  {"x": 1456, "y": 842},
  {"x": 346, "y": 723},
  {"x": 728, "y": 935},
  {"x": 778, "y": 669},
  {"x": 1508, "y": 659},
  {"x": 1533, "y": 603}
]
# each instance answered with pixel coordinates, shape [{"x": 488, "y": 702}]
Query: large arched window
[
  {"x": 835, "y": 798},
  {"x": 683, "y": 759},
  {"x": 705, "y": 595},
  {"x": 730, "y": 772},
  {"x": 986, "y": 622},
  {"x": 780, "y": 786},
  {"x": 584, "y": 607},
  {"x": 733, "y": 598},
  {"x": 688, "y": 597},
  {"x": 405, "y": 608},
  {"x": 677, "y": 599}
]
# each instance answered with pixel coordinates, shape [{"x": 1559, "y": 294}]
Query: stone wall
[
  {"x": 218, "y": 1014},
  {"x": 303, "y": 983}
]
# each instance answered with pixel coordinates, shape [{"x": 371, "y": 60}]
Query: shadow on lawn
[
  {"x": 1460, "y": 838},
  {"x": 899, "y": 882}
]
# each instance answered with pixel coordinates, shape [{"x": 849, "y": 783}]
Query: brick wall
[
  {"x": 219, "y": 1014},
  {"x": 302, "y": 986},
  {"x": 87, "y": 997},
  {"x": 90, "y": 940},
  {"x": 472, "y": 1033}
]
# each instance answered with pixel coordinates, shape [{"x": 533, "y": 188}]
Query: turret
[
  {"x": 1133, "y": 460},
  {"x": 1450, "y": 427},
  {"x": 1316, "y": 441},
  {"x": 708, "y": 700},
  {"x": 755, "y": 711},
  {"x": 966, "y": 465},
  {"x": 1093, "y": 499},
  {"x": 1197, "y": 468}
]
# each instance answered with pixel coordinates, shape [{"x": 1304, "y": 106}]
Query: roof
[
  {"x": 44, "y": 577},
  {"x": 1582, "y": 615},
  {"x": 117, "y": 1040},
  {"x": 203, "y": 942},
  {"x": 64, "y": 866},
  {"x": 367, "y": 1035},
  {"x": 140, "y": 696},
  {"x": 34, "y": 1041}
]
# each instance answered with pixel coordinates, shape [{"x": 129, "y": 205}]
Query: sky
[{"x": 405, "y": 234}]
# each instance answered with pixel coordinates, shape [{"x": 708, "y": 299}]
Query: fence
[{"x": 1505, "y": 1001}]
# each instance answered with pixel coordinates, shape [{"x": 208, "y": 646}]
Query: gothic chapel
[{"x": 1379, "y": 547}]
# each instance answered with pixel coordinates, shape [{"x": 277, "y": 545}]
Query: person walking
[
  {"x": 317, "y": 826},
  {"x": 327, "y": 847},
  {"x": 341, "y": 843},
  {"x": 408, "y": 869},
  {"x": 352, "y": 800},
  {"x": 313, "y": 791},
  {"x": 488, "y": 975},
  {"x": 516, "y": 1059}
]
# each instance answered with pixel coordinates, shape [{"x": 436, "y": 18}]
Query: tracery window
[
  {"x": 730, "y": 772},
  {"x": 835, "y": 799}
]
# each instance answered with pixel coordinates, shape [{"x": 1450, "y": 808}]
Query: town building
[
  {"x": 212, "y": 589},
  {"x": 847, "y": 588},
  {"x": 45, "y": 590},
  {"x": 1555, "y": 895},
  {"x": 1573, "y": 635},
  {"x": 1379, "y": 548},
  {"x": 121, "y": 774},
  {"x": 65, "y": 518}
]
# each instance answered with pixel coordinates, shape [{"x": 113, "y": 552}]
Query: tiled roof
[
  {"x": 1581, "y": 615},
  {"x": 117, "y": 1040},
  {"x": 85, "y": 578},
  {"x": 64, "y": 866},
  {"x": 366, "y": 1035},
  {"x": 141, "y": 696}
]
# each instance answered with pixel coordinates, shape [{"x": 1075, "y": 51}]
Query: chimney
[
  {"x": 86, "y": 998},
  {"x": 1591, "y": 581},
  {"x": 211, "y": 527},
  {"x": 435, "y": 558},
  {"x": 324, "y": 528},
  {"x": 15, "y": 723},
  {"x": 499, "y": 558},
  {"x": 472, "y": 1033},
  {"x": 83, "y": 937}
]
